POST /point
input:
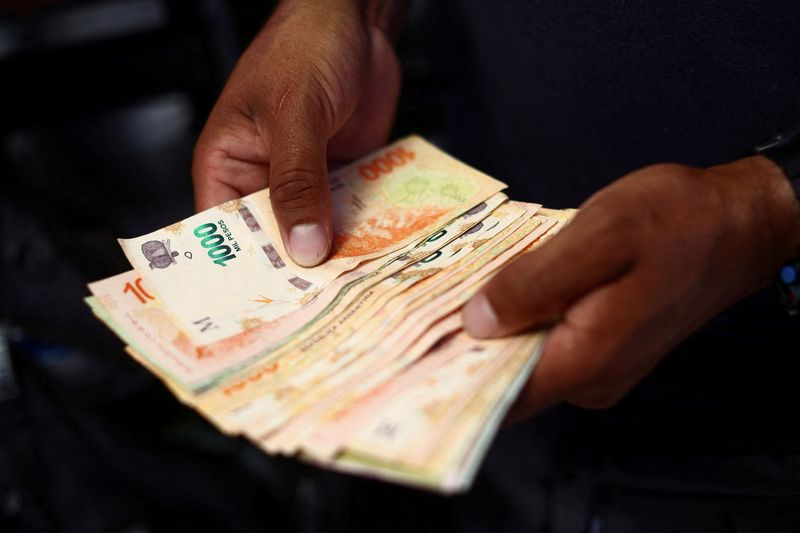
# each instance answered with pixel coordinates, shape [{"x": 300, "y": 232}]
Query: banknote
[
  {"x": 130, "y": 300},
  {"x": 374, "y": 365},
  {"x": 355, "y": 351},
  {"x": 314, "y": 353},
  {"x": 403, "y": 429},
  {"x": 398, "y": 193},
  {"x": 378, "y": 363},
  {"x": 224, "y": 270},
  {"x": 360, "y": 364},
  {"x": 329, "y": 427},
  {"x": 449, "y": 477},
  {"x": 329, "y": 321},
  {"x": 468, "y": 433},
  {"x": 335, "y": 413},
  {"x": 462, "y": 430},
  {"x": 350, "y": 357}
]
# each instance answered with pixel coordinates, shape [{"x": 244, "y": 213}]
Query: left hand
[
  {"x": 645, "y": 262},
  {"x": 317, "y": 86}
]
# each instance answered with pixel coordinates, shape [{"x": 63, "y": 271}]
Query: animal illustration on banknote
[
  {"x": 358, "y": 364},
  {"x": 159, "y": 254},
  {"x": 382, "y": 229}
]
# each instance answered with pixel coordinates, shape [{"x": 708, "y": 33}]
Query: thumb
[
  {"x": 539, "y": 286},
  {"x": 298, "y": 182}
]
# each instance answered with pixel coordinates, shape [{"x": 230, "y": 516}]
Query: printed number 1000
[{"x": 212, "y": 242}]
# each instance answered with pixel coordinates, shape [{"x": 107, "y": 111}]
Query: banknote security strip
[{"x": 360, "y": 364}]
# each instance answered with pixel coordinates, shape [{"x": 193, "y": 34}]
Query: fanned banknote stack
[{"x": 359, "y": 364}]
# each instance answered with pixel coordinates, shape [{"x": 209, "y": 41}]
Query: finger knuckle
[
  {"x": 619, "y": 234},
  {"x": 205, "y": 160},
  {"x": 296, "y": 190},
  {"x": 300, "y": 96},
  {"x": 663, "y": 168},
  {"x": 515, "y": 292},
  {"x": 282, "y": 94},
  {"x": 590, "y": 329},
  {"x": 617, "y": 223},
  {"x": 602, "y": 366},
  {"x": 595, "y": 383},
  {"x": 219, "y": 136},
  {"x": 608, "y": 371},
  {"x": 598, "y": 399}
]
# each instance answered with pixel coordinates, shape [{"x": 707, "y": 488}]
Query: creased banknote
[
  {"x": 225, "y": 270},
  {"x": 360, "y": 364}
]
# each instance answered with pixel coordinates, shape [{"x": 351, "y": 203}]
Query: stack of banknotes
[{"x": 360, "y": 364}]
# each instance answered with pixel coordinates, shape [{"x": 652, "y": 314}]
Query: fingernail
[
  {"x": 308, "y": 244},
  {"x": 480, "y": 319}
]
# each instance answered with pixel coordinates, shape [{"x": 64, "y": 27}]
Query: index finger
[{"x": 540, "y": 285}]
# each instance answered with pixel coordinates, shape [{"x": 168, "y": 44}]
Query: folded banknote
[{"x": 360, "y": 364}]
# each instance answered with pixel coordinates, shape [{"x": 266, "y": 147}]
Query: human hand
[
  {"x": 318, "y": 84},
  {"x": 646, "y": 261}
]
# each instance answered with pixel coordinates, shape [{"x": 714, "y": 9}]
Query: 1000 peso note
[
  {"x": 347, "y": 364},
  {"x": 335, "y": 357},
  {"x": 128, "y": 305},
  {"x": 224, "y": 270},
  {"x": 386, "y": 353}
]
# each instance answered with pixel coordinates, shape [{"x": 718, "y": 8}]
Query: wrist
[
  {"x": 784, "y": 152},
  {"x": 785, "y": 206},
  {"x": 761, "y": 208}
]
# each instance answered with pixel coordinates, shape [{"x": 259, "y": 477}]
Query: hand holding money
[
  {"x": 646, "y": 261},
  {"x": 317, "y": 85},
  {"x": 359, "y": 364}
]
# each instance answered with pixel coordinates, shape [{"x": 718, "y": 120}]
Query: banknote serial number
[
  {"x": 212, "y": 238},
  {"x": 384, "y": 164}
]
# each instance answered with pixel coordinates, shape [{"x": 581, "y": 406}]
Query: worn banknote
[
  {"x": 360, "y": 364},
  {"x": 130, "y": 306},
  {"x": 225, "y": 270}
]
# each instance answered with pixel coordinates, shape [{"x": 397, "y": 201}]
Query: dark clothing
[
  {"x": 558, "y": 99},
  {"x": 567, "y": 96},
  {"x": 574, "y": 94}
]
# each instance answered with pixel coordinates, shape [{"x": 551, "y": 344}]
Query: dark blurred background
[{"x": 100, "y": 105}]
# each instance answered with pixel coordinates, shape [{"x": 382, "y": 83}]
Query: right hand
[{"x": 319, "y": 83}]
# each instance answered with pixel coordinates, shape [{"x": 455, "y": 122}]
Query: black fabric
[
  {"x": 561, "y": 98},
  {"x": 574, "y": 94},
  {"x": 556, "y": 98}
]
